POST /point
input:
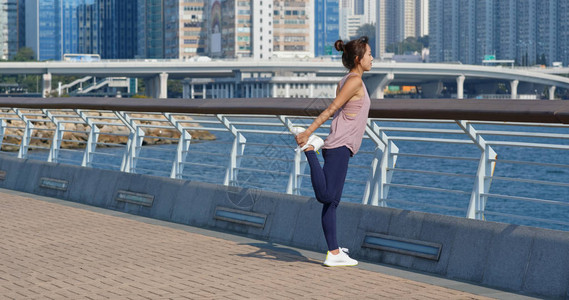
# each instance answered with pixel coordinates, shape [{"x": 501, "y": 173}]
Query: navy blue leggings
[{"x": 328, "y": 182}]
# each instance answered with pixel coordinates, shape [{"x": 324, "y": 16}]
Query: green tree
[
  {"x": 24, "y": 54},
  {"x": 424, "y": 40},
  {"x": 409, "y": 45},
  {"x": 369, "y": 31},
  {"x": 175, "y": 89}
]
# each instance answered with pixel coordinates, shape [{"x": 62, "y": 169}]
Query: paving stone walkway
[{"x": 54, "y": 251}]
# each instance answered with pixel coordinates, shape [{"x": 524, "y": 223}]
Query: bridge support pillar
[
  {"x": 432, "y": 89},
  {"x": 163, "y": 85},
  {"x": 552, "y": 92},
  {"x": 187, "y": 88},
  {"x": 274, "y": 87},
  {"x": 376, "y": 84},
  {"x": 46, "y": 85},
  {"x": 514, "y": 88},
  {"x": 460, "y": 87}
]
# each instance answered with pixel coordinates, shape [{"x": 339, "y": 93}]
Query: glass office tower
[
  {"x": 43, "y": 28},
  {"x": 326, "y": 26}
]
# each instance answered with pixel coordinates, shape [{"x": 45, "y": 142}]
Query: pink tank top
[{"x": 349, "y": 122}]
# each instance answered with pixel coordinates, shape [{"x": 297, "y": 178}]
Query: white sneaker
[
  {"x": 314, "y": 140},
  {"x": 340, "y": 259}
]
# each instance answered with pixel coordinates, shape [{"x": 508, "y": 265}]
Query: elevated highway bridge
[{"x": 302, "y": 78}]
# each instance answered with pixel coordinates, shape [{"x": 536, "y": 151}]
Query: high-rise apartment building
[
  {"x": 466, "y": 32},
  {"x": 484, "y": 29},
  {"x": 422, "y": 18},
  {"x": 262, "y": 34},
  {"x": 563, "y": 32},
  {"x": 326, "y": 26},
  {"x": 546, "y": 31},
  {"x": 241, "y": 28},
  {"x": 11, "y": 28},
  {"x": 172, "y": 28},
  {"x": 397, "y": 20},
  {"x": 505, "y": 38},
  {"x": 463, "y": 31},
  {"x": 192, "y": 28},
  {"x": 526, "y": 31},
  {"x": 293, "y": 29}
]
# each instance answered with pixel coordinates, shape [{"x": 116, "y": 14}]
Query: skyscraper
[
  {"x": 326, "y": 26},
  {"x": 10, "y": 28},
  {"x": 43, "y": 28},
  {"x": 150, "y": 29},
  {"x": 117, "y": 28},
  {"x": 69, "y": 26},
  {"x": 87, "y": 26}
]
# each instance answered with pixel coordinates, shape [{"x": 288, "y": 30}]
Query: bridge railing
[{"x": 501, "y": 160}]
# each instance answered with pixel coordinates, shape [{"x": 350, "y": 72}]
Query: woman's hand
[{"x": 302, "y": 138}]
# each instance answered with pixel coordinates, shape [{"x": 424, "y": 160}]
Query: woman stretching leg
[{"x": 350, "y": 111}]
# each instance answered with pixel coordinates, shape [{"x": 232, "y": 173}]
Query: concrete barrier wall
[{"x": 523, "y": 259}]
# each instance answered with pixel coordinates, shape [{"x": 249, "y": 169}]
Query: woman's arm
[{"x": 351, "y": 88}]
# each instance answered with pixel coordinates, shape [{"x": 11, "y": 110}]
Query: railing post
[
  {"x": 182, "y": 149},
  {"x": 57, "y": 137},
  {"x": 91, "y": 141},
  {"x": 382, "y": 175},
  {"x": 26, "y": 137},
  {"x": 135, "y": 139},
  {"x": 3, "y": 125},
  {"x": 484, "y": 173},
  {"x": 299, "y": 164},
  {"x": 371, "y": 184},
  {"x": 236, "y": 152}
]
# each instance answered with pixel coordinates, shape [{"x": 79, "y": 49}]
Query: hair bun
[{"x": 339, "y": 45}]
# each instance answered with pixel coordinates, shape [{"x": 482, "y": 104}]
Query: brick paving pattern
[{"x": 52, "y": 251}]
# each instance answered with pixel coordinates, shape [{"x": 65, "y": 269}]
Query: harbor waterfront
[
  {"x": 521, "y": 259},
  {"x": 429, "y": 165}
]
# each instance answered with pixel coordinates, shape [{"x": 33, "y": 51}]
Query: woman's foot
[
  {"x": 314, "y": 142},
  {"x": 339, "y": 260}
]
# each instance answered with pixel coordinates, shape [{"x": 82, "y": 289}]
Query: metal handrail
[{"x": 379, "y": 171}]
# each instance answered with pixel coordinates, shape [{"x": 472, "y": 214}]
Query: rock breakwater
[{"x": 76, "y": 135}]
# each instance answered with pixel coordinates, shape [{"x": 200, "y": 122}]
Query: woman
[{"x": 350, "y": 111}]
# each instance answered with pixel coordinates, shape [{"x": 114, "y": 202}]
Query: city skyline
[{"x": 527, "y": 32}]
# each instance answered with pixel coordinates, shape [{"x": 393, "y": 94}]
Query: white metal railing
[{"x": 514, "y": 172}]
